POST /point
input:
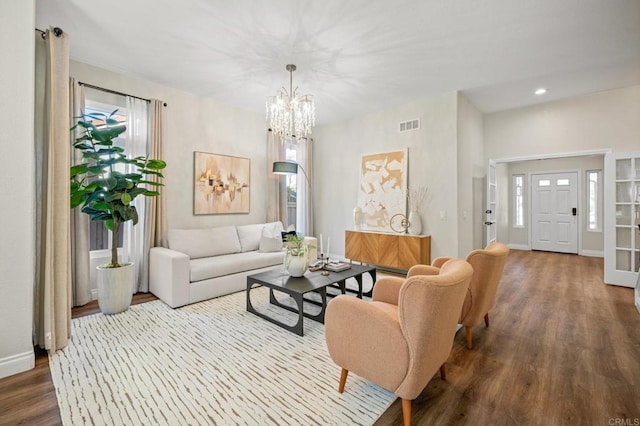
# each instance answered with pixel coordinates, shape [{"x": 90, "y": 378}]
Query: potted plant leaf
[
  {"x": 296, "y": 259},
  {"x": 104, "y": 186}
]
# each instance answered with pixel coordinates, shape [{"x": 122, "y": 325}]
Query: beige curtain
[
  {"x": 276, "y": 186},
  {"x": 79, "y": 229},
  {"x": 52, "y": 304},
  {"x": 156, "y": 207}
]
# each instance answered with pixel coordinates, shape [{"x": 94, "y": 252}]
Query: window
[
  {"x": 292, "y": 186},
  {"x": 518, "y": 201},
  {"x": 544, "y": 182},
  {"x": 299, "y": 206},
  {"x": 594, "y": 200}
]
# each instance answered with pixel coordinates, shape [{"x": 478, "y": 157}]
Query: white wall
[
  {"x": 194, "y": 123},
  {"x": 470, "y": 167},
  {"x": 17, "y": 183},
  {"x": 603, "y": 120},
  {"x": 595, "y": 122},
  {"x": 432, "y": 163}
]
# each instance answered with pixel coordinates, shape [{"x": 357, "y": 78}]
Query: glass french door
[
  {"x": 622, "y": 218},
  {"x": 490, "y": 212}
]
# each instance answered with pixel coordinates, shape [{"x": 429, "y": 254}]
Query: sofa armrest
[{"x": 169, "y": 276}]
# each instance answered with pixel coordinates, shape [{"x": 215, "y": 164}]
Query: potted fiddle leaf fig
[{"x": 104, "y": 186}]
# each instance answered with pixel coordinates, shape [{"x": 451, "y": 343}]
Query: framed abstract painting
[
  {"x": 221, "y": 184},
  {"x": 383, "y": 188}
]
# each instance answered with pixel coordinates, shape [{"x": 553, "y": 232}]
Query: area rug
[{"x": 207, "y": 363}]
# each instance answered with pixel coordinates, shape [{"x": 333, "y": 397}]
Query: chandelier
[{"x": 290, "y": 115}]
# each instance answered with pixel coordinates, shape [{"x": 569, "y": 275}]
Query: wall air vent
[{"x": 409, "y": 125}]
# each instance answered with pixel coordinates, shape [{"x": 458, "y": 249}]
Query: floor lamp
[{"x": 291, "y": 168}]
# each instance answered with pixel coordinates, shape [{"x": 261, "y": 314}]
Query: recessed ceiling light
[{"x": 540, "y": 91}]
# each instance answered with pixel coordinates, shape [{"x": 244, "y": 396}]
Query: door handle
[
  {"x": 487, "y": 211},
  {"x": 491, "y": 223},
  {"x": 574, "y": 211}
]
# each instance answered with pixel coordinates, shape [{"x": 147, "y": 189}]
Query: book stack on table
[{"x": 337, "y": 266}]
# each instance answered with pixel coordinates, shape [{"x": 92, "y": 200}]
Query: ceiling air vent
[{"x": 409, "y": 125}]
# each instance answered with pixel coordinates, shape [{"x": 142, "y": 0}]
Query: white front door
[
  {"x": 554, "y": 220},
  {"x": 490, "y": 212}
]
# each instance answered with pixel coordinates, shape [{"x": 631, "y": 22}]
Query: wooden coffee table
[{"x": 278, "y": 280}]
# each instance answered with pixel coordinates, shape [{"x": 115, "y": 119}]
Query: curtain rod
[
  {"x": 91, "y": 86},
  {"x": 57, "y": 31}
]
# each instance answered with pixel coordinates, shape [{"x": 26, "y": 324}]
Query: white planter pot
[
  {"x": 296, "y": 266},
  {"x": 114, "y": 288},
  {"x": 415, "y": 223}
]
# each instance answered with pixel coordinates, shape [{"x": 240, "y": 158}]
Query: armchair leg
[
  {"x": 406, "y": 412},
  {"x": 486, "y": 319},
  {"x": 469, "y": 331},
  {"x": 443, "y": 371},
  {"x": 343, "y": 380}
]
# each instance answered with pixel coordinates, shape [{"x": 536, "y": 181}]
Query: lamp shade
[{"x": 285, "y": 168}]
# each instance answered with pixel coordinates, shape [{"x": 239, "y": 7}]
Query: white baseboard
[
  {"x": 588, "y": 253},
  {"x": 520, "y": 247},
  {"x": 17, "y": 363},
  {"x": 592, "y": 253}
]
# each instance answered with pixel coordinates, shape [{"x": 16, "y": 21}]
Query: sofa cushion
[
  {"x": 249, "y": 236},
  {"x": 212, "y": 267},
  {"x": 198, "y": 243},
  {"x": 271, "y": 238}
]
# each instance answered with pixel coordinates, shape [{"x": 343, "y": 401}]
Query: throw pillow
[
  {"x": 271, "y": 239},
  {"x": 249, "y": 236}
]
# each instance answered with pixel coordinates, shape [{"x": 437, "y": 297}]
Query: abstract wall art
[
  {"x": 383, "y": 188},
  {"x": 221, "y": 184}
]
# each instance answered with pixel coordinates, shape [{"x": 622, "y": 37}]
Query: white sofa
[{"x": 200, "y": 264}]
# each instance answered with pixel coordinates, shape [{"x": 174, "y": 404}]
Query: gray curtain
[
  {"x": 156, "y": 207},
  {"x": 276, "y": 187},
  {"x": 79, "y": 229},
  {"x": 52, "y": 295}
]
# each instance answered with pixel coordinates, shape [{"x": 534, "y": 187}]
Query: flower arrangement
[
  {"x": 295, "y": 245},
  {"x": 416, "y": 197},
  {"x": 296, "y": 259}
]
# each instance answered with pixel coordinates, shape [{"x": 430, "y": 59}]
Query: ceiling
[{"x": 359, "y": 56}]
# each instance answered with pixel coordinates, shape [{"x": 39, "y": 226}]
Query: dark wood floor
[{"x": 563, "y": 348}]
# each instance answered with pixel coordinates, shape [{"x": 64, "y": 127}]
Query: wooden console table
[{"x": 397, "y": 251}]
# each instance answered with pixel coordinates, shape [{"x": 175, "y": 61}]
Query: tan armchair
[
  {"x": 488, "y": 265},
  {"x": 404, "y": 335}
]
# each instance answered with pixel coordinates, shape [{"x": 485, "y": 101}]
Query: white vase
[
  {"x": 114, "y": 288},
  {"x": 415, "y": 223},
  {"x": 296, "y": 265},
  {"x": 357, "y": 218}
]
